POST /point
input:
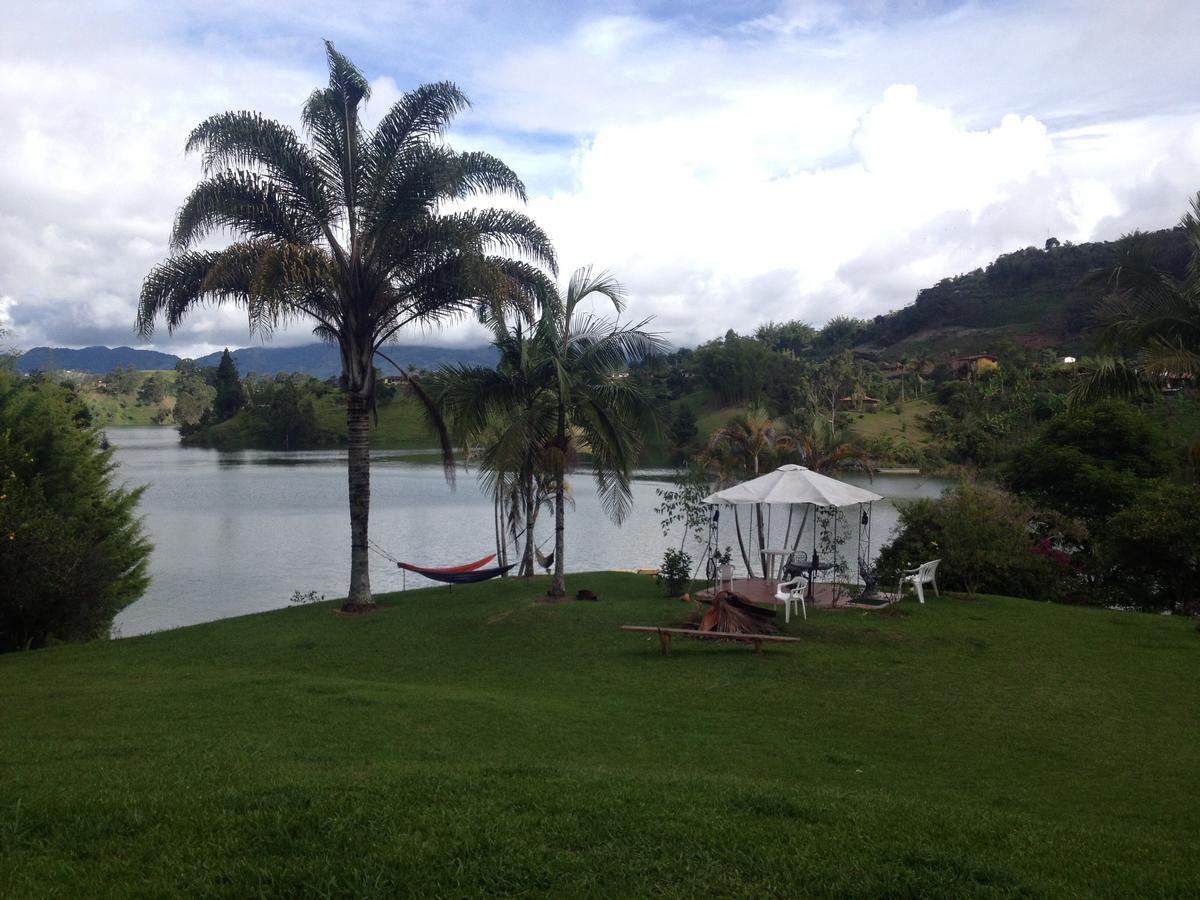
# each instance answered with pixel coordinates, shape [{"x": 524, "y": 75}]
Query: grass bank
[{"x": 477, "y": 742}]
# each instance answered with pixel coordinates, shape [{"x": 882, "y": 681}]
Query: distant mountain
[
  {"x": 318, "y": 360},
  {"x": 93, "y": 359},
  {"x": 324, "y": 361}
]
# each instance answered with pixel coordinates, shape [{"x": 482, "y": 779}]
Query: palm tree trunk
[
  {"x": 559, "y": 587},
  {"x": 498, "y": 525},
  {"x": 359, "y": 474},
  {"x": 530, "y": 511}
]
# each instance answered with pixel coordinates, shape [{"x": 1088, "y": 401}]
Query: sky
[{"x": 730, "y": 163}]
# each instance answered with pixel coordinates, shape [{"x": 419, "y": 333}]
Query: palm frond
[
  {"x": 421, "y": 114},
  {"x": 584, "y": 284},
  {"x": 1109, "y": 377},
  {"x": 432, "y": 413},
  {"x": 245, "y": 203}
]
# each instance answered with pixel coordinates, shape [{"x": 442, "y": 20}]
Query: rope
[{"x": 374, "y": 546}]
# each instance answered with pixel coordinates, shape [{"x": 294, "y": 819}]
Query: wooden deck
[{"x": 762, "y": 591}]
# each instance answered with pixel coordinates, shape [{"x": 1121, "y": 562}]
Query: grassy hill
[
  {"x": 476, "y": 742},
  {"x": 109, "y": 407},
  {"x": 400, "y": 426}
]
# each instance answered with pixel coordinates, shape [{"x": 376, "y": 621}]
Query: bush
[
  {"x": 72, "y": 552},
  {"x": 987, "y": 541},
  {"x": 1150, "y": 552},
  {"x": 1092, "y": 462},
  {"x": 675, "y": 573}
]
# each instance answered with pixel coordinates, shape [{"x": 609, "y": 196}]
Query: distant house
[
  {"x": 862, "y": 401},
  {"x": 979, "y": 364}
]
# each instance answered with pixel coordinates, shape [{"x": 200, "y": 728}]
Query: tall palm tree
[
  {"x": 509, "y": 410},
  {"x": 560, "y": 393},
  {"x": 353, "y": 231},
  {"x": 1151, "y": 319},
  {"x": 597, "y": 409}
]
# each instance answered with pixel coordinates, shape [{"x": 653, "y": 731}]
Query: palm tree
[
  {"x": 597, "y": 409},
  {"x": 509, "y": 410},
  {"x": 557, "y": 393},
  {"x": 351, "y": 231},
  {"x": 1152, "y": 317}
]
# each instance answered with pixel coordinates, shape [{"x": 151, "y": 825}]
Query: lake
[{"x": 239, "y": 532}]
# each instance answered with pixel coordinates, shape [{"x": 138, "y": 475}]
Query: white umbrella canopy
[{"x": 794, "y": 484}]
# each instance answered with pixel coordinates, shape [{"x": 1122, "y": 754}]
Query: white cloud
[
  {"x": 684, "y": 208},
  {"x": 824, "y": 158}
]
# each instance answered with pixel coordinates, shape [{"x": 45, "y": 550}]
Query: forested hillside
[{"x": 1035, "y": 297}]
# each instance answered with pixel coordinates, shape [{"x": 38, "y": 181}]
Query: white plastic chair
[
  {"x": 725, "y": 575},
  {"x": 922, "y": 575},
  {"x": 789, "y": 593}
]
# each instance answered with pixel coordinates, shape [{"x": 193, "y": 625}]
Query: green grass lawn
[
  {"x": 124, "y": 409},
  {"x": 908, "y": 426},
  {"x": 457, "y": 744}
]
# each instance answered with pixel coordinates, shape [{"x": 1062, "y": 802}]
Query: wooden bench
[{"x": 665, "y": 634}]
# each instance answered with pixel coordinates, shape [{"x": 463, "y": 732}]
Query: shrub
[
  {"x": 1150, "y": 552},
  {"x": 1092, "y": 462},
  {"x": 72, "y": 552},
  {"x": 675, "y": 573},
  {"x": 987, "y": 541}
]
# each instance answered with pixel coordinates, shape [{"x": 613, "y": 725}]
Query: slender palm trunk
[
  {"x": 530, "y": 518},
  {"x": 359, "y": 469},
  {"x": 498, "y": 525},
  {"x": 559, "y": 587}
]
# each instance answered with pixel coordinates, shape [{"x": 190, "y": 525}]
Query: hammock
[
  {"x": 465, "y": 567},
  {"x": 457, "y": 575}
]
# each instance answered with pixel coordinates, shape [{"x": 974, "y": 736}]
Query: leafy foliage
[
  {"x": 986, "y": 541},
  {"x": 229, "y": 395},
  {"x": 675, "y": 572},
  {"x": 1091, "y": 462},
  {"x": 1150, "y": 551},
  {"x": 72, "y": 551}
]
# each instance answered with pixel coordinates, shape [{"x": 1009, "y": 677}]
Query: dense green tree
[
  {"x": 734, "y": 368},
  {"x": 122, "y": 380},
  {"x": 360, "y": 231},
  {"x": 228, "y": 387},
  {"x": 194, "y": 396},
  {"x": 153, "y": 390},
  {"x": 682, "y": 432},
  {"x": 839, "y": 334},
  {"x": 1150, "y": 551},
  {"x": 794, "y": 337},
  {"x": 72, "y": 551},
  {"x": 1090, "y": 462}
]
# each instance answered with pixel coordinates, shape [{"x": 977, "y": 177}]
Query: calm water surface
[{"x": 239, "y": 532}]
